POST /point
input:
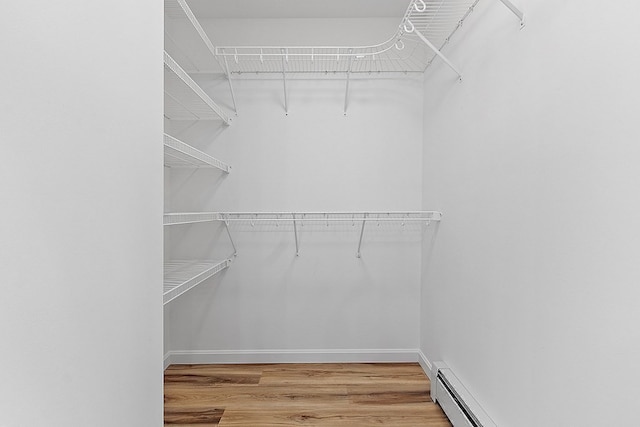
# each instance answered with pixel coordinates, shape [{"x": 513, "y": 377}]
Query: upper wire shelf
[
  {"x": 178, "y": 154},
  {"x": 405, "y": 51},
  {"x": 184, "y": 99}
]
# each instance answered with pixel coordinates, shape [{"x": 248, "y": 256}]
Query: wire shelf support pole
[
  {"x": 515, "y": 11},
  {"x": 284, "y": 81},
  {"x": 226, "y": 227},
  {"x": 346, "y": 92},
  {"x": 228, "y": 75},
  {"x": 295, "y": 231},
  {"x": 435, "y": 50},
  {"x": 364, "y": 221}
]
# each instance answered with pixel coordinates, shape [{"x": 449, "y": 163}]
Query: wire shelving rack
[
  {"x": 426, "y": 27},
  {"x": 299, "y": 219},
  {"x": 184, "y": 99},
  {"x": 178, "y": 154},
  {"x": 182, "y": 276},
  {"x": 190, "y": 217},
  {"x": 255, "y": 218}
]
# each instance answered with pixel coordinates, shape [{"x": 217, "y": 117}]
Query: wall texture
[
  {"x": 314, "y": 159},
  {"x": 80, "y": 226},
  {"x": 530, "y": 290}
]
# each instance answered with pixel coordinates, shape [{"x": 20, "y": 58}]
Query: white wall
[
  {"x": 531, "y": 291},
  {"x": 80, "y": 224},
  {"x": 271, "y": 32},
  {"x": 314, "y": 159}
]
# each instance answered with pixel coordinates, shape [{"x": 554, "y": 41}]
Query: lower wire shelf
[{"x": 181, "y": 275}]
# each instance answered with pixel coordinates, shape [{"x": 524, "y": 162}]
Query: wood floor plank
[
  {"x": 305, "y": 396},
  {"x": 190, "y": 416},
  {"x": 342, "y": 373},
  {"x": 354, "y": 417},
  {"x": 192, "y": 425},
  {"x": 390, "y": 394},
  {"x": 213, "y": 375},
  {"x": 239, "y": 369}
]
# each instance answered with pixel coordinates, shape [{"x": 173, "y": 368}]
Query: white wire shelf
[
  {"x": 184, "y": 99},
  {"x": 405, "y": 51},
  {"x": 179, "y": 218},
  {"x": 178, "y": 154},
  {"x": 182, "y": 276},
  {"x": 301, "y": 217}
]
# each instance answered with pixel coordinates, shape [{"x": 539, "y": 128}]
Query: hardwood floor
[{"x": 337, "y": 394}]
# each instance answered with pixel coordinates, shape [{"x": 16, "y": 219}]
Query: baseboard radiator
[{"x": 454, "y": 399}]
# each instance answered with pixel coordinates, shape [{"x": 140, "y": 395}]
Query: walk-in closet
[{"x": 336, "y": 213}]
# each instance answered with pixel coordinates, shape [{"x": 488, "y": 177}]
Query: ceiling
[{"x": 261, "y": 9}]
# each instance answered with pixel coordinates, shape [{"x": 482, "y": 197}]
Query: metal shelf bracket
[
  {"x": 515, "y": 11},
  {"x": 364, "y": 221},
  {"x": 413, "y": 29},
  {"x": 226, "y": 227},
  {"x": 284, "y": 81},
  {"x": 295, "y": 231},
  {"x": 228, "y": 75},
  {"x": 346, "y": 92}
]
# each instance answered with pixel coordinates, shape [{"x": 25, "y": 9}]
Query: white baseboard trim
[
  {"x": 292, "y": 356},
  {"x": 425, "y": 363},
  {"x": 167, "y": 360}
]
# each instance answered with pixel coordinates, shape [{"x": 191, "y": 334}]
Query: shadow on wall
[
  {"x": 189, "y": 189},
  {"x": 429, "y": 242},
  {"x": 199, "y": 134}
]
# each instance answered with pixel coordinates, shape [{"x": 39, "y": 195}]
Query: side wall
[
  {"x": 530, "y": 293},
  {"x": 80, "y": 224},
  {"x": 326, "y": 301}
]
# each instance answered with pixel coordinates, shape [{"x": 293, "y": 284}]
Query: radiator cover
[{"x": 455, "y": 400}]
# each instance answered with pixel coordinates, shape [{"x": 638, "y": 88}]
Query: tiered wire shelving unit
[
  {"x": 425, "y": 29},
  {"x": 186, "y": 100}
]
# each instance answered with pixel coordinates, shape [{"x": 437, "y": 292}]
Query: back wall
[{"x": 314, "y": 159}]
